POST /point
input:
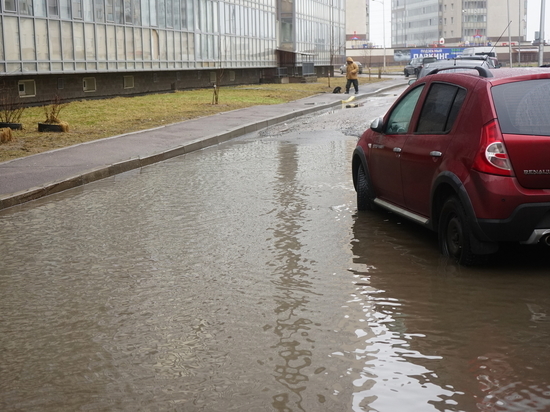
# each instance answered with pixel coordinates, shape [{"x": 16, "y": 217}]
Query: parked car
[
  {"x": 465, "y": 154},
  {"x": 416, "y": 64},
  {"x": 457, "y": 64},
  {"x": 343, "y": 68}
]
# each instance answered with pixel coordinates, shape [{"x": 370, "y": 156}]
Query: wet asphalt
[{"x": 33, "y": 177}]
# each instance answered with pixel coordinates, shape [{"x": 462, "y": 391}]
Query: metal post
[
  {"x": 541, "y": 33},
  {"x": 519, "y": 33},
  {"x": 509, "y": 36},
  {"x": 383, "y": 29}
]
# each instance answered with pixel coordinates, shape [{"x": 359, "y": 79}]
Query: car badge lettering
[{"x": 537, "y": 172}]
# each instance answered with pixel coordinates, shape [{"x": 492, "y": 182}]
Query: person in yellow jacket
[{"x": 352, "y": 70}]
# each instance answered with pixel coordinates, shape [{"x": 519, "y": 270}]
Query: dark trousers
[{"x": 355, "y": 83}]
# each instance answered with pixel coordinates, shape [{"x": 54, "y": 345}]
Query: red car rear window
[{"x": 523, "y": 108}]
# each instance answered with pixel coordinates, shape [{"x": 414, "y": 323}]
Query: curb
[{"x": 93, "y": 175}]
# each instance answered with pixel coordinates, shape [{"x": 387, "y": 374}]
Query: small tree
[{"x": 216, "y": 94}]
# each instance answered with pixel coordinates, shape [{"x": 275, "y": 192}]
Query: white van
[{"x": 479, "y": 51}]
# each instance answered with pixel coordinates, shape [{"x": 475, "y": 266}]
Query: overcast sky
[{"x": 533, "y": 20}]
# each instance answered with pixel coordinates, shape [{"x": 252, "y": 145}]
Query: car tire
[
  {"x": 454, "y": 233},
  {"x": 364, "y": 193},
  {"x": 406, "y": 73}
]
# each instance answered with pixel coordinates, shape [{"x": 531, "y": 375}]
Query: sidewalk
[{"x": 36, "y": 176}]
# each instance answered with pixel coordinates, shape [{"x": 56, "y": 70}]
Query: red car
[{"x": 466, "y": 154}]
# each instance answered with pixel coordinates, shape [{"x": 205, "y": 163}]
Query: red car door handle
[
  {"x": 397, "y": 149},
  {"x": 435, "y": 153}
]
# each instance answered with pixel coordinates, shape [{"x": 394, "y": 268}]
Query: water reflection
[
  {"x": 446, "y": 338},
  {"x": 293, "y": 286}
]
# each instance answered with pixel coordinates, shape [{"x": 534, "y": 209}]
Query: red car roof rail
[{"x": 483, "y": 72}]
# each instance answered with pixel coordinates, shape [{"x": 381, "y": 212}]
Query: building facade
[
  {"x": 96, "y": 48},
  {"x": 427, "y": 23},
  {"x": 357, "y": 24}
]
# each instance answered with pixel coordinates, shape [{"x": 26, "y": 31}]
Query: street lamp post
[
  {"x": 541, "y": 33},
  {"x": 383, "y": 29}
]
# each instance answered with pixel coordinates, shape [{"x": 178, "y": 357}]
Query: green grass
[{"x": 96, "y": 119}]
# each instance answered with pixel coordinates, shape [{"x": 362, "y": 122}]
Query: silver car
[{"x": 461, "y": 64}]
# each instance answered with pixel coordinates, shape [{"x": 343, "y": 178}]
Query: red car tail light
[{"x": 492, "y": 157}]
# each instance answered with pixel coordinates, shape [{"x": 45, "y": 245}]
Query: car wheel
[
  {"x": 364, "y": 195},
  {"x": 454, "y": 233},
  {"x": 406, "y": 73}
]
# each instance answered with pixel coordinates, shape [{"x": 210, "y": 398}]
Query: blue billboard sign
[{"x": 440, "y": 53}]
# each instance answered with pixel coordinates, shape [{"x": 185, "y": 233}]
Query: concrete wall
[{"x": 70, "y": 86}]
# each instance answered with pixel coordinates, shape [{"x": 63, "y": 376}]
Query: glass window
[
  {"x": 177, "y": 14},
  {"x": 10, "y": 5},
  {"x": 1, "y": 45},
  {"x": 522, "y": 107},
  {"x": 162, "y": 44},
  {"x": 169, "y": 13},
  {"x": 25, "y": 7},
  {"x": 78, "y": 30},
  {"x": 90, "y": 42},
  {"x": 400, "y": 117},
  {"x": 153, "y": 12},
  {"x": 145, "y": 12},
  {"x": 137, "y": 44},
  {"x": 27, "y": 39},
  {"x": 129, "y": 44},
  {"x": 77, "y": 9},
  {"x": 40, "y": 8},
  {"x": 88, "y": 10},
  {"x": 128, "y": 15},
  {"x": 67, "y": 33},
  {"x": 177, "y": 45},
  {"x": 65, "y": 8},
  {"x": 136, "y": 9},
  {"x": 89, "y": 84},
  {"x": 41, "y": 39},
  {"x": 111, "y": 43},
  {"x": 120, "y": 55},
  {"x": 101, "y": 42},
  {"x": 440, "y": 103},
  {"x": 190, "y": 15},
  {"x": 128, "y": 82},
  {"x": 27, "y": 88},
  {"x": 53, "y": 8},
  {"x": 55, "y": 40},
  {"x": 119, "y": 7},
  {"x": 99, "y": 10},
  {"x": 161, "y": 15},
  {"x": 146, "y": 44},
  {"x": 109, "y": 11},
  {"x": 170, "y": 44}
]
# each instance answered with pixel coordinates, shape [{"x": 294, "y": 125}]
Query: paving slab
[{"x": 39, "y": 175}]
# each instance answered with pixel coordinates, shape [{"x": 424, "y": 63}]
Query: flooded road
[{"x": 242, "y": 278}]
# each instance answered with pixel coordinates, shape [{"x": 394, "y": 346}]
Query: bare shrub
[
  {"x": 5, "y": 135},
  {"x": 53, "y": 109},
  {"x": 11, "y": 107}
]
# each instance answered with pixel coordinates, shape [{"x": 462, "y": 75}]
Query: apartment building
[{"x": 424, "y": 23}]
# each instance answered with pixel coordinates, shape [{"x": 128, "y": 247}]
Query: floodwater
[{"x": 241, "y": 278}]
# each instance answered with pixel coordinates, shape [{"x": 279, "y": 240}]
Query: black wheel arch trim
[
  {"x": 359, "y": 158},
  {"x": 439, "y": 195}
]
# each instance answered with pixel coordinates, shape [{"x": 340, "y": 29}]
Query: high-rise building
[
  {"x": 424, "y": 23},
  {"x": 357, "y": 23},
  {"x": 89, "y": 48}
]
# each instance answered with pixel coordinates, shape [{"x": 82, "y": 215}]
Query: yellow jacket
[{"x": 351, "y": 69}]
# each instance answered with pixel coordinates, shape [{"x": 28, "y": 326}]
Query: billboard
[{"x": 441, "y": 53}]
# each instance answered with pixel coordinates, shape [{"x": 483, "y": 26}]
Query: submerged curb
[{"x": 113, "y": 169}]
